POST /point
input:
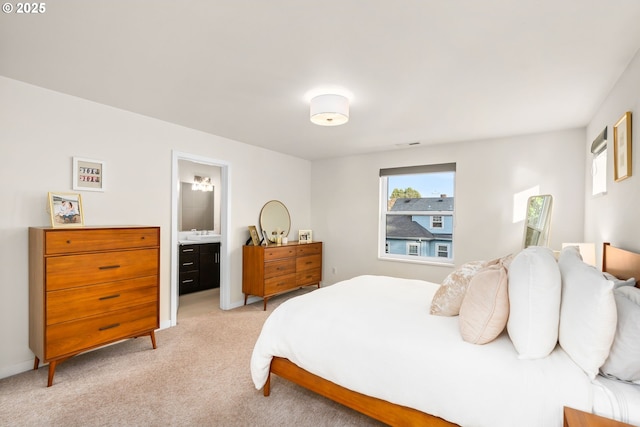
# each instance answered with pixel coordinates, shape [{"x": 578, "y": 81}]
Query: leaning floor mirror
[{"x": 537, "y": 225}]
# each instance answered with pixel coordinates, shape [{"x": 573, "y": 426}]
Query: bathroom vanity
[{"x": 199, "y": 266}]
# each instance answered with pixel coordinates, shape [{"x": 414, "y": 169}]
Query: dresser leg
[
  {"x": 265, "y": 304},
  {"x": 245, "y": 298},
  {"x": 52, "y": 372},
  {"x": 152, "y": 334},
  {"x": 36, "y": 363}
]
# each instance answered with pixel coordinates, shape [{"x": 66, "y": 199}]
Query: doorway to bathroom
[{"x": 204, "y": 213}]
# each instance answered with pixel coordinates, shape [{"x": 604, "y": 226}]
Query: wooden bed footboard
[{"x": 381, "y": 410}]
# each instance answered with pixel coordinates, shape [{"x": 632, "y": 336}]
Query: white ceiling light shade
[{"x": 329, "y": 110}]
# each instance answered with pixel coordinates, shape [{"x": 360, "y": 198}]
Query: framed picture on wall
[
  {"x": 66, "y": 209},
  {"x": 88, "y": 175},
  {"x": 622, "y": 147},
  {"x": 305, "y": 236}
]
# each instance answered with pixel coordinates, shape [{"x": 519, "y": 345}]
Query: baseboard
[{"x": 16, "y": 369}]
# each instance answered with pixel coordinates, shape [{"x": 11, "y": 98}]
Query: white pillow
[
  {"x": 587, "y": 313},
  {"x": 617, "y": 283},
  {"x": 534, "y": 301},
  {"x": 623, "y": 362}
]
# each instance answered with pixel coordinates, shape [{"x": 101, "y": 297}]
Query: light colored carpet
[{"x": 198, "y": 376}]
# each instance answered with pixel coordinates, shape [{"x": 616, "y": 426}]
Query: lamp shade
[{"x": 329, "y": 110}]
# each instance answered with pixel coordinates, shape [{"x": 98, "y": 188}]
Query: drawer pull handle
[
  {"x": 187, "y": 250},
  {"x": 104, "y": 328},
  {"x": 187, "y": 263},
  {"x": 109, "y": 297},
  {"x": 69, "y": 242},
  {"x": 108, "y": 267},
  {"x": 187, "y": 281}
]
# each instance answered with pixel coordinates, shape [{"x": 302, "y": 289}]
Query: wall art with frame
[
  {"x": 622, "y": 147},
  {"x": 88, "y": 175},
  {"x": 66, "y": 209}
]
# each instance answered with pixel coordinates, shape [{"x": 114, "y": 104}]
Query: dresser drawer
[
  {"x": 279, "y": 267},
  {"x": 309, "y": 249},
  {"x": 77, "y": 303},
  {"x": 308, "y": 262},
  {"x": 72, "y": 337},
  {"x": 275, "y": 252},
  {"x": 70, "y": 241},
  {"x": 78, "y": 270},
  {"x": 278, "y": 284},
  {"x": 309, "y": 277}
]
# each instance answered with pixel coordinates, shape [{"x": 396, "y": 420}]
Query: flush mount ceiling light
[{"x": 329, "y": 110}]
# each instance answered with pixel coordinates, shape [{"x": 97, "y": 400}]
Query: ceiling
[{"x": 416, "y": 70}]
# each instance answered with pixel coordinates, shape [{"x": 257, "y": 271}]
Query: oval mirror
[
  {"x": 538, "y": 221},
  {"x": 275, "y": 219}
]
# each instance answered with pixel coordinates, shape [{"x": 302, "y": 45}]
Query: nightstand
[{"x": 576, "y": 418}]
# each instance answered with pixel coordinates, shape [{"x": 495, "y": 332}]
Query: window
[
  {"x": 413, "y": 249},
  {"x": 416, "y": 213},
  {"x": 436, "y": 221},
  {"x": 599, "y": 164},
  {"x": 442, "y": 251}
]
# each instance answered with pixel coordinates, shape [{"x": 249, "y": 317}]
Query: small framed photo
[
  {"x": 622, "y": 147},
  {"x": 88, "y": 175},
  {"x": 305, "y": 236},
  {"x": 66, "y": 210},
  {"x": 253, "y": 231}
]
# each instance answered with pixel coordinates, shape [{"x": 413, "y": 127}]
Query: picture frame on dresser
[
  {"x": 305, "y": 236},
  {"x": 65, "y": 209},
  {"x": 622, "y": 147},
  {"x": 253, "y": 232},
  {"x": 88, "y": 174}
]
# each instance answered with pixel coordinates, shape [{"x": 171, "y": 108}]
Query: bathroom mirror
[
  {"x": 274, "y": 217},
  {"x": 196, "y": 208},
  {"x": 538, "y": 221}
]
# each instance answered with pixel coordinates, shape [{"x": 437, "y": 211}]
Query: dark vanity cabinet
[{"x": 199, "y": 267}]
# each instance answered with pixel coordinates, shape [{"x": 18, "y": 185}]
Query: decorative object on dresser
[
  {"x": 65, "y": 209},
  {"x": 199, "y": 267},
  {"x": 89, "y": 287},
  {"x": 305, "y": 236},
  {"x": 254, "y": 238},
  {"x": 272, "y": 270}
]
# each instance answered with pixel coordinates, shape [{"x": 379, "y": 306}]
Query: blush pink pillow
[{"x": 485, "y": 308}]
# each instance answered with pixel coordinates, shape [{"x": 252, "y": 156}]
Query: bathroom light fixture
[
  {"x": 329, "y": 110},
  {"x": 202, "y": 183}
]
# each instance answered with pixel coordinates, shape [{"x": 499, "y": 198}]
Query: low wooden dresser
[
  {"x": 91, "y": 286},
  {"x": 274, "y": 269}
]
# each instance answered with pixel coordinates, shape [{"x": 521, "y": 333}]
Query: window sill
[{"x": 444, "y": 262}]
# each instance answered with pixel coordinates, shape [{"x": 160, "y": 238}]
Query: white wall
[
  {"x": 614, "y": 217},
  {"x": 40, "y": 132},
  {"x": 346, "y": 197}
]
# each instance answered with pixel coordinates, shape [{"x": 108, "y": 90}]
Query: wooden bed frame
[{"x": 619, "y": 262}]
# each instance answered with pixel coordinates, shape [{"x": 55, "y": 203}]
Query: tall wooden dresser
[
  {"x": 274, "y": 269},
  {"x": 91, "y": 286}
]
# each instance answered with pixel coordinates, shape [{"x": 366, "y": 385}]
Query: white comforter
[{"x": 374, "y": 335}]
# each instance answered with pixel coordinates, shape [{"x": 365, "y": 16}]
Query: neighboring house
[{"x": 420, "y": 227}]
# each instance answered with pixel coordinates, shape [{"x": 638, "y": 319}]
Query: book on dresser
[
  {"x": 89, "y": 287},
  {"x": 271, "y": 270}
]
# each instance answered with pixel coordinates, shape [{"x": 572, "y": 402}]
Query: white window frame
[
  {"x": 434, "y": 222},
  {"x": 447, "y": 248},
  {"x": 383, "y": 247},
  {"x": 413, "y": 245}
]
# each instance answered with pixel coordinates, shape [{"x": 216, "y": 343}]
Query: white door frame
[{"x": 225, "y": 294}]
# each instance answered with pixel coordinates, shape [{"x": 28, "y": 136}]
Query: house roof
[
  {"x": 417, "y": 72},
  {"x": 402, "y": 227},
  {"x": 439, "y": 204}
]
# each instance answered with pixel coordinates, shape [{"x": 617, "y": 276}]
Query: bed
[{"x": 370, "y": 344}]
